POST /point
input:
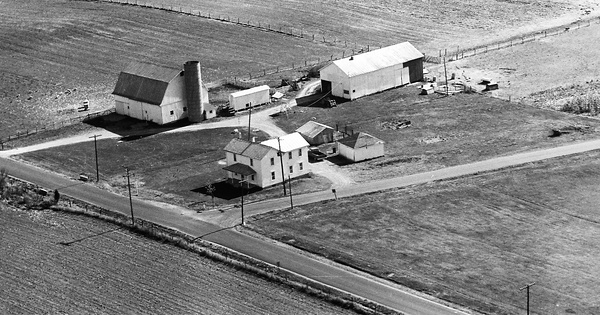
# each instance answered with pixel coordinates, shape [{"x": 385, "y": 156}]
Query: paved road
[{"x": 182, "y": 220}]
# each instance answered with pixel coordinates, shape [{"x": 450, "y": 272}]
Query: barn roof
[
  {"x": 378, "y": 59},
  {"x": 145, "y": 82},
  {"x": 252, "y": 150},
  {"x": 312, "y": 128},
  {"x": 360, "y": 140},
  {"x": 251, "y": 90},
  {"x": 289, "y": 142}
]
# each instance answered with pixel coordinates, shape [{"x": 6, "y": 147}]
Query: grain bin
[{"x": 193, "y": 91}]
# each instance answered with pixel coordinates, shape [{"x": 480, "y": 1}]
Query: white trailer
[{"x": 249, "y": 98}]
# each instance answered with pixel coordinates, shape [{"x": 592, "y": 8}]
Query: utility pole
[
  {"x": 527, "y": 287},
  {"x": 290, "y": 186},
  {"x": 446, "y": 75},
  {"x": 96, "y": 151},
  {"x": 281, "y": 161},
  {"x": 130, "y": 200},
  {"x": 242, "y": 207},
  {"x": 249, "y": 117}
]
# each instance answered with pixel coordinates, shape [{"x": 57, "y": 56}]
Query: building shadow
[
  {"x": 226, "y": 190},
  {"x": 132, "y": 129},
  {"x": 339, "y": 160}
]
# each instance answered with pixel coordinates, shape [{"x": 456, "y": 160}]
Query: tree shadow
[{"x": 226, "y": 190}]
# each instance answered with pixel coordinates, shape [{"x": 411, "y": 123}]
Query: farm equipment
[{"x": 85, "y": 106}]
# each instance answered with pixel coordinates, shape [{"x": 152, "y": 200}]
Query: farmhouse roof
[
  {"x": 289, "y": 142},
  {"x": 360, "y": 140},
  {"x": 378, "y": 59},
  {"x": 240, "y": 168},
  {"x": 312, "y": 128},
  {"x": 145, "y": 82},
  {"x": 252, "y": 150},
  {"x": 251, "y": 90}
]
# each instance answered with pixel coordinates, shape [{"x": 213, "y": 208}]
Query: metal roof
[
  {"x": 378, "y": 59},
  {"x": 312, "y": 129},
  {"x": 252, "y": 150},
  {"x": 251, "y": 90},
  {"x": 289, "y": 142},
  {"x": 240, "y": 168},
  {"x": 145, "y": 82},
  {"x": 360, "y": 140}
]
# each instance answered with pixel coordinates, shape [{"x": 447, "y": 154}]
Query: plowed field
[{"x": 123, "y": 273}]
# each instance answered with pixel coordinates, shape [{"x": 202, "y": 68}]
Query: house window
[
  {"x": 234, "y": 157},
  {"x": 272, "y": 161},
  {"x": 301, "y": 167},
  {"x": 273, "y": 175},
  {"x": 210, "y": 111},
  {"x": 291, "y": 169},
  {"x": 172, "y": 113},
  {"x": 185, "y": 109},
  {"x": 243, "y": 177},
  {"x": 290, "y": 155},
  {"x": 251, "y": 162},
  {"x": 346, "y": 92},
  {"x": 252, "y": 177},
  {"x": 300, "y": 152}
]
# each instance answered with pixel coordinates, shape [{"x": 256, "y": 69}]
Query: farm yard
[
  {"x": 120, "y": 272},
  {"x": 472, "y": 241},
  {"x": 443, "y": 131}
]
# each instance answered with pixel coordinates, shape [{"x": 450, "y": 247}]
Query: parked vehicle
[{"x": 316, "y": 155}]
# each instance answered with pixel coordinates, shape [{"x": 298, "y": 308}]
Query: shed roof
[
  {"x": 255, "y": 89},
  {"x": 145, "y": 82},
  {"x": 252, "y": 150},
  {"x": 240, "y": 168},
  {"x": 289, "y": 142},
  {"x": 378, "y": 59},
  {"x": 360, "y": 140},
  {"x": 312, "y": 128}
]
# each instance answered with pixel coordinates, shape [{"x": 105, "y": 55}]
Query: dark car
[{"x": 316, "y": 155}]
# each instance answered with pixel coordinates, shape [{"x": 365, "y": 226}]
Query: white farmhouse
[
  {"x": 249, "y": 98},
  {"x": 162, "y": 94},
  {"x": 373, "y": 71},
  {"x": 360, "y": 146},
  {"x": 260, "y": 164}
]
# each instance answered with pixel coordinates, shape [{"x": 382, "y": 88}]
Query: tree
[
  {"x": 3, "y": 181},
  {"x": 211, "y": 190},
  {"x": 56, "y": 196}
]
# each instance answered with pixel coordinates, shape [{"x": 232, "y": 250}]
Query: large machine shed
[
  {"x": 249, "y": 98},
  {"x": 373, "y": 72}
]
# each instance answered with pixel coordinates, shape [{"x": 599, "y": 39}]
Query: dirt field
[
  {"x": 444, "y": 131},
  {"x": 472, "y": 241},
  {"x": 123, "y": 273},
  {"x": 430, "y": 25},
  {"x": 173, "y": 168},
  {"x": 55, "y": 54}
]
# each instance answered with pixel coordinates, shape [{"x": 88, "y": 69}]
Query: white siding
[
  {"x": 249, "y": 98},
  {"x": 361, "y": 154}
]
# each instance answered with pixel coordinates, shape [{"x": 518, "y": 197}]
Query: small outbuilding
[
  {"x": 162, "y": 94},
  {"x": 373, "y": 71},
  {"x": 249, "y": 98},
  {"x": 316, "y": 133},
  {"x": 360, "y": 146}
]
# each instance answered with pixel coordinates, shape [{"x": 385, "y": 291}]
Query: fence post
[
  {"x": 313, "y": 37},
  {"x": 277, "y": 68},
  {"x": 305, "y": 63}
]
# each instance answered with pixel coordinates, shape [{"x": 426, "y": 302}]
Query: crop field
[
  {"x": 55, "y": 54},
  {"x": 117, "y": 272},
  {"x": 473, "y": 241},
  {"x": 430, "y": 25},
  {"x": 171, "y": 167},
  {"x": 444, "y": 131}
]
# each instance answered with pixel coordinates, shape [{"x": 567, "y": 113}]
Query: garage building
[
  {"x": 360, "y": 146},
  {"x": 373, "y": 71}
]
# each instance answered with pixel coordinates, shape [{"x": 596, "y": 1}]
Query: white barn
[
  {"x": 160, "y": 94},
  {"x": 251, "y": 97},
  {"x": 360, "y": 146},
  {"x": 373, "y": 71}
]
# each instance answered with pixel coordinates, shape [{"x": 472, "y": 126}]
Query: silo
[{"x": 193, "y": 91}]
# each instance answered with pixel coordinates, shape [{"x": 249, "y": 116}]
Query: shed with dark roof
[
  {"x": 360, "y": 146},
  {"x": 316, "y": 133}
]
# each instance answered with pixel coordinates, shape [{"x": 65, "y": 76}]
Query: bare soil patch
[
  {"x": 473, "y": 241},
  {"x": 115, "y": 271}
]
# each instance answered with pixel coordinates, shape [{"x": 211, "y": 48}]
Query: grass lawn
[
  {"x": 444, "y": 131},
  {"x": 168, "y": 167},
  {"x": 472, "y": 241}
]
